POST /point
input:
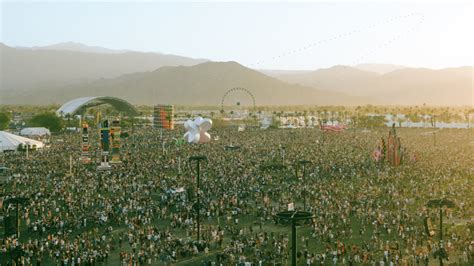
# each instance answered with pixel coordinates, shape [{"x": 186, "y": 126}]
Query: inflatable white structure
[{"x": 196, "y": 131}]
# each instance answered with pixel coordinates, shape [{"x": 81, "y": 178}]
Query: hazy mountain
[
  {"x": 76, "y": 47},
  {"x": 450, "y": 86},
  {"x": 337, "y": 78},
  {"x": 407, "y": 86},
  {"x": 278, "y": 72},
  {"x": 54, "y": 74},
  {"x": 379, "y": 68},
  {"x": 203, "y": 84},
  {"x": 25, "y": 69}
]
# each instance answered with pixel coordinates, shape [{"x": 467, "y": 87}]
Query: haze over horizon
[{"x": 287, "y": 36}]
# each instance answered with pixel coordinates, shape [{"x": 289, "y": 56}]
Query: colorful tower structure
[
  {"x": 85, "y": 147},
  {"x": 163, "y": 116},
  {"x": 115, "y": 133},
  {"x": 105, "y": 145}
]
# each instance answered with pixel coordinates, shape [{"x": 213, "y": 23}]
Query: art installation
[
  {"x": 115, "y": 133},
  {"x": 105, "y": 145},
  {"x": 85, "y": 147},
  {"x": 394, "y": 152},
  {"x": 163, "y": 116},
  {"x": 196, "y": 131}
]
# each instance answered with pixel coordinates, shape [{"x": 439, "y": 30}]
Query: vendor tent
[
  {"x": 10, "y": 142},
  {"x": 35, "y": 132}
]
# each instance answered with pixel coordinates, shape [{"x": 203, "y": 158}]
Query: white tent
[
  {"x": 10, "y": 142},
  {"x": 35, "y": 132}
]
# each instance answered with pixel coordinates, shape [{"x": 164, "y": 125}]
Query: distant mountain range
[
  {"x": 405, "y": 86},
  {"x": 57, "y": 73},
  {"x": 376, "y": 68},
  {"x": 61, "y": 65},
  {"x": 76, "y": 47},
  {"x": 203, "y": 84},
  {"x": 379, "y": 68}
]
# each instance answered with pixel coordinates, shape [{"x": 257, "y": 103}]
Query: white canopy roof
[
  {"x": 10, "y": 142},
  {"x": 71, "y": 106},
  {"x": 76, "y": 105},
  {"x": 35, "y": 131}
]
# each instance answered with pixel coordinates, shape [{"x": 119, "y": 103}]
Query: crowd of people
[{"x": 144, "y": 211}]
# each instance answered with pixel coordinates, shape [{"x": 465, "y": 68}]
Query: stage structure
[
  {"x": 80, "y": 105},
  {"x": 115, "y": 133},
  {"x": 105, "y": 145},
  {"x": 163, "y": 116},
  {"x": 85, "y": 148}
]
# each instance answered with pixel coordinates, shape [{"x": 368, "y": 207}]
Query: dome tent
[
  {"x": 10, "y": 142},
  {"x": 35, "y": 132}
]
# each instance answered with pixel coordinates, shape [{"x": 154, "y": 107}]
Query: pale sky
[{"x": 259, "y": 35}]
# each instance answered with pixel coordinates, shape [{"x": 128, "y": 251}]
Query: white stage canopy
[
  {"x": 10, "y": 142},
  {"x": 35, "y": 131}
]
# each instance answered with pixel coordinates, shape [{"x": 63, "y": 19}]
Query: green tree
[
  {"x": 4, "y": 120},
  {"x": 48, "y": 120},
  {"x": 364, "y": 121}
]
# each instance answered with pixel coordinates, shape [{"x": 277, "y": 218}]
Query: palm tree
[{"x": 467, "y": 115}]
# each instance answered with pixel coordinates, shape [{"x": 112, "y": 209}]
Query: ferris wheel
[{"x": 238, "y": 99}]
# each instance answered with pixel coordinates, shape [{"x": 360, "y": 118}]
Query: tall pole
[
  {"x": 441, "y": 253},
  {"x": 198, "y": 160},
  {"x": 198, "y": 201},
  {"x": 282, "y": 153},
  {"x": 295, "y": 217},
  {"x": 293, "y": 242},
  {"x": 17, "y": 221},
  {"x": 440, "y": 233},
  {"x": 304, "y": 163},
  {"x": 162, "y": 142},
  {"x": 304, "y": 187},
  {"x": 70, "y": 165}
]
